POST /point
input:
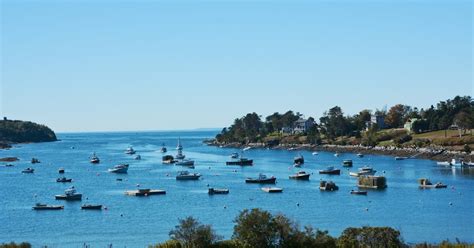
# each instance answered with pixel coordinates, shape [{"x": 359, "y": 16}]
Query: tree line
[
  {"x": 458, "y": 111},
  {"x": 15, "y": 131}
]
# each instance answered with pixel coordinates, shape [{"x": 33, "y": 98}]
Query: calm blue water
[{"x": 421, "y": 215}]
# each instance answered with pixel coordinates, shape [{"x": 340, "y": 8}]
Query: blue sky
[{"x": 154, "y": 65}]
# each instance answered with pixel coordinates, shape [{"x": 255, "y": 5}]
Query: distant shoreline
[{"x": 436, "y": 154}]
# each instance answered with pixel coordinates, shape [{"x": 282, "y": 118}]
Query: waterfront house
[
  {"x": 376, "y": 120},
  {"x": 409, "y": 124},
  {"x": 302, "y": 125}
]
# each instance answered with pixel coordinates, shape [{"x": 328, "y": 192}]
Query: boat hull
[
  {"x": 330, "y": 172},
  {"x": 241, "y": 163},
  {"x": 91, "y": 207},
  {"x": 48, "y": 207},
  {"x": 300, "y": 177},
  {"x": 261, "y": 181},
  {"x": 272, "y": 190},
  {"x": 213, "y": 191},
  {"x": 76, "y": 197}
]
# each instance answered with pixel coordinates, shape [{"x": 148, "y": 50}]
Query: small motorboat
[
  {"x": 400, "y": 158},
  {"x": 121, "y": 169},
  {"x": 91, "y": 207},
  {"x": 70, "y": 195},
  {"x": 130, "y": 151},
  {"x": 94, "y": 159},
  {"x": 9, "y": 165},
  {"x": 168, "y": 159},
  {"x": 145, "y": 192},
  {"x": 328, "y": 186},
  {"x": 330, "y": 170},
  {"x": 315, "y": 153},
  {"x": 138, "y": 157},
  {"x": 360, "y": 155},
  {"x": 64, "y": 180},
  {"x": 301, "y": 175},
  {"x": 185, "y": 162},
  {"x": 234, "y": 155},
  {"x": 272, "y": 189},
  {"x": 28, "y": 170},
  {"x": 364, "y": 171},
  {"x": 358, "y": 192},
  {"x": 247, "y": 148},
  {"x": 298, "y": 160},
  {"x": 61, "y": 170},
  {"x": 35, "y": 161},
  {"x": 347, "y": 163},
  {"x": 40, "y": 206},
  {"x": 186, "y": 175},
  {"x": 262, "y": 179},
  {"x": 241, "y": 162},
  {"x": 336, "y": 154},
  {"x": 163, "y": 148},
  {"x": 426, "y": 184},
  {"x": 216, "y": 191}
]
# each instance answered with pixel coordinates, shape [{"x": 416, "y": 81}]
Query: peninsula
[{"x": 16, "y": 131}]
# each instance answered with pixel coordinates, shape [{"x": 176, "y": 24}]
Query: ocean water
[{"x": 421, "y": 215}]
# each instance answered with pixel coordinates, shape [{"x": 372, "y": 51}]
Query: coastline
[{"x": 436, "y": 154}]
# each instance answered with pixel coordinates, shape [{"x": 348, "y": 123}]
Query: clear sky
[{"x": 155, "y": 65}]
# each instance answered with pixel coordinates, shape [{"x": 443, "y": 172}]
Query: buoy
[
  {"x": 209, "y": 167},
  {"x": 225, "y": 206},
  {"x": 121, "y": 215},
  {"x": 366, "y": 209},
  {"x": 138, "y": 185},
  {"x": 450, "y": 203},
  {"x": 207, "y": 185},
  {"x": 297, "y": 204}
]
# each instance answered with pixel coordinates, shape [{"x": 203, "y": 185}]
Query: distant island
[
  {"x": 438, "y": 132},
  {"x": 16, "y": 131}
]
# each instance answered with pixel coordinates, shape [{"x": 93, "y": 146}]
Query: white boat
[
  {"x": 130, "y": 151},
  {"x": 247, "y": 148},
  {"x": 185, "y": 175},
  {"x": 138, "y": 157},
  {"x": 272, "y": 189},
  {"x": 179, "y": 147},
  {"x": 185, "y": 162},
  {"x": 234, "y": 155},
  {"x": 94, "y": 159},
  {"x": 121, "y": 169},
  {"x": 336, "y": 154},
  {"x": 69, "y": 195},
  {"x": 446, "y": 163},
  {"x": 28, "y": 170},
  {"x": 360, "y": 155},
  {"x": 315, "y": 153},
  {"x": 364, "y": 171}
]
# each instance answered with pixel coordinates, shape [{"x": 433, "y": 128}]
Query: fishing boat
[
  {"x": 121, "y": 169},
  {"x": 64, "y": 180},
  {"x": 28, "y": 170},
  {"x": 347, "y": 163},
  {"x": 40, "y": 206},
  {"x": 145, "y": 192},
  {"x": 35, "y": 161},
  {"x": 70, "y": 195},
  {"x": 61, "y": 170},
  {"x": 163, "y": 148},
  {"x": 186, "y": 175},
  {"x": 366, "y": 170},
  {"x": 262, "y": 179},
  {"x": 168, "y": 159},
  {"x": 298, "y": 160},
  {"x": 330, "y": 170},
  {"x": 358, "y": 192},
  {"x": 301, "y": 175},
  {"x": 242, "y": 162},
  {"x": 360, "y": 155},
  {"x": 130, "y": 151},
  {"x": 185, "y": 162},
  {"x": 94, "y": 159},
  {"x": 426, "y": 184},
  {"x": 234, "y": 155},
  {"x": 216, "y": 191},
  {"x": 272, "y": 189},
  {"x": 328, "y": 186},
  {"x": 91, "y": 207},
  {"x": 179, "y": 147}
]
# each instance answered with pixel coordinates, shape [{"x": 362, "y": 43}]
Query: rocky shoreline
[{"x": 436, "y": 154}]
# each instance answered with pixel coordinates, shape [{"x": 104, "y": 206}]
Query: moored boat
[
  {"x": 179, "y": 147},
  {"x": 400, "y": 158},
  {"x": 91, "y": 207},
  {"x": 298, "y": 160},
  {"x": 35, "y": 161},
  {"x": 121, "y": 169},
  {"x": 234, "y": 155},
  {"x": 168, "y": 159},
  {"x": 328, "y": 186},
  {"x": 360, "y": 155},
  {"x": 94, "y": 159},
  {"x": 70, "y": 195},
  {"x": 145, "y": 192},
  {"x": 336, "y": 154},
  {"x": 300, "y": 175},
  {"x": 426, "y": 184},
  {"x": 358, "y": 192},
  {"x": 363, "y": 171},
  {"x": 163, "y": 148},
  {"x": 217, "y": 191},
  {"x": 185, "y": 162},
  {"x": 347, "y": 163},
  {"x": 241, "y": 162},
  {"x": 262, "y": 179},
  {"x": 330, "y": 170},
  {"x": 64, "y": 180},
  {"x": 130, "y": 151},
  {"x": 272, "y": 189},
  {"x": 28, "y": 170},
  {"x": 40, "y": 206},
  {"x": 138, "y": 157},
  {"x": 61, "y": 170},
  {"x": 186, "y": 175}
]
